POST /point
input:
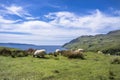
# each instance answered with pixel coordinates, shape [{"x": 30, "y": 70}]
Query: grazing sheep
[
  {"x": 39, "y": 53},
  {"x": 79, "y": 51},
  {"x": 99, "y": 52},
  {"x": 57, "y": 50}
]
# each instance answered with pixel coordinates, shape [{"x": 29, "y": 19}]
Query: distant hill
[
  {"x": 17, "y": 45},
  {"x": 110, "y": 40},
  {"x": 48, "y": 48}
]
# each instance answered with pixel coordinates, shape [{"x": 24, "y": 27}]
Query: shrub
[
  {"x": 56, "y": 71},
  {"x": 66, "y": 53},
  {"x": 55, "y": 55},
  {"x": 13, "y": 55},
  {"x": 5, "y": 52},
  {"x": 78, "y": 55},
  {"x": 50, "y": 53},
  {"x": 115, "y": 60},
  {"x": 30, "y": 51},
  {"x": 111, "y": 75},
  {"x": 112, "y": 51},
  {"x": 19, "y": 53},
  {"x": 72, "y": 54},
  {"x": 13, "y": 52}
]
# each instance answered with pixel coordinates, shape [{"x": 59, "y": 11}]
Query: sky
[{"x": 56, "y": 22}]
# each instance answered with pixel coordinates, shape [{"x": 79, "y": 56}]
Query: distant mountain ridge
[
  {"x": 97, "y": 42},
  {"x": 15, "y": 45},
  {"x": 48, "y": 48}
]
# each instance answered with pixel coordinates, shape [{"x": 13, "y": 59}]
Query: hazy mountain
[
  {"x": 16, "y": 45},
  {"x": 110, "y": 40},
  {"x": 48, "y": 48}
]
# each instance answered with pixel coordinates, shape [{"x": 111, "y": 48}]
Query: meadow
[{"x": 93, "y": 67}]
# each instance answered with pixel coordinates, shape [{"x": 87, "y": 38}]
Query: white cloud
[
  {"x": 94, "y": 21},
  {"x": 16, "y": 10},
  {"x": 62, "y": 27},
  {"x": 32, "y": 18}
]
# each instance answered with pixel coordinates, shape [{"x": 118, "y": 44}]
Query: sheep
[
  {"x": 99, "y": 52},
  {"x": 39, "y": 53},
  {"x": 79, "y": 51},
  {"x": 57, "y": 50}
]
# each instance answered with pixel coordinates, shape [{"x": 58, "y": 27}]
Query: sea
[{"x": 48, "y": 48}]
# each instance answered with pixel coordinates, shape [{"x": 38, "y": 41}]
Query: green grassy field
[{"x": 94, "y": 67}]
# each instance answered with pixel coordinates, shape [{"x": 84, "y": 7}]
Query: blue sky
[{"x": 55, "y": 22}]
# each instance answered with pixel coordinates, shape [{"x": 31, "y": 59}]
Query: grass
[{"x": 94, "y": 67}]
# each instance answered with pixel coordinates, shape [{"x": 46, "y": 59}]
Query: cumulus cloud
[
  {"x": 94, "y": 21},
  {"x": 60, "y": 28}
]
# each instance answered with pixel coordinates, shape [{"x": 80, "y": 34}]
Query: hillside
[{"x": 110, "y": 40}]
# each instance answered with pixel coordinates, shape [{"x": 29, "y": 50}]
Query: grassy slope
[
  {"x": 95, "y": 67},
  {"x": 95, "y": 43}
]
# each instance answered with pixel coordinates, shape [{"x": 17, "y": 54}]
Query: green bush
[
  {"x": 13, "y": 52},
  {"x": 19, "y": 53},
  {"x": 115, "y": 60},
  {"x": 78, "y": 55},
  {"x": 5, "y": 52},
  {"x": 111, "y": 75},
  {"x": 66, "y": 53},
  {"x": 30, "y": 51},
  {"x": 112, "y": 51},
  {"x": 72, "y": 54}
]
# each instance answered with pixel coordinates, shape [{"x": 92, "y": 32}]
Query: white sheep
[
  {"x": 57, "y": 50},
  {"x": 39, "y": 53},
  {"x": 99, "y": 52},
  {"x": 79, "y": 50}
]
